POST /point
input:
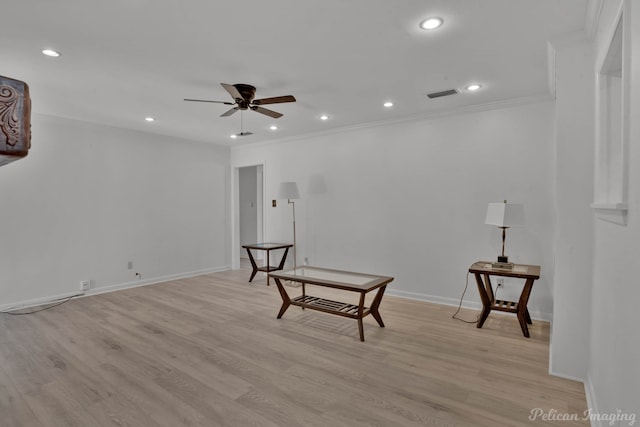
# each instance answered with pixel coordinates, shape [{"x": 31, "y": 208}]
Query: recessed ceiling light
[
  {"x": 431, "y": 23},
  {"x": 473, "y": 87},
  {"x": 50, "y": 52},
  {"x": 273, "y": 127},
  {"x": 388, "y": 104},
  {"x": 150, "y": 119},
  {"x": 234, "y": 136},
  {"x": 324, "y": 117}
]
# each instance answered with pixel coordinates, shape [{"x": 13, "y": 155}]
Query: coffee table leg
[
  {"x": 360, "y": 315},
  {"x": 286, "y": 301},
  {"x": 375, "y": 304}
]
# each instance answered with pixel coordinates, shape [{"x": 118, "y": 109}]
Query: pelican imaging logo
[{"x": 618, "y": 417}]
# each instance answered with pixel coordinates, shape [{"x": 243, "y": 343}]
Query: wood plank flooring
[{"x": 209, "y": 351}]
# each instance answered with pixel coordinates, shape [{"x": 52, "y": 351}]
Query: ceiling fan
[{"x": 243, "y": 95}]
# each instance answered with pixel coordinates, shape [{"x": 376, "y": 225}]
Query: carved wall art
[{"x": 15, "y": 120}]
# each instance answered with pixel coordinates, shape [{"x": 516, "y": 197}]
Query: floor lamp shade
[{"x": 288, "y": 190}]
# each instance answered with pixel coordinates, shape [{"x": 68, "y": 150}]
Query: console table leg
[
  {"x": 486, "y": 302},
  {"x": 268, "y": 267},
  {"x": 523, "y": 312},
  {"x": 253, "y": 265},
  {"x": 523, "y": 324}
]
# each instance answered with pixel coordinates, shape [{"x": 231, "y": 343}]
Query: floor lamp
[{"x": 289, "y": 191}]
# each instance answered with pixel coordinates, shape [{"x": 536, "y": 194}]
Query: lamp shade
[
  {"x": 505, "y": 214},
  {"x": 288, "y": 190}
]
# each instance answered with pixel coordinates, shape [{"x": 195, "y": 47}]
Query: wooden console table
[
  {"x": 345, "y": 280},
  {"x": 484, "y": 269},
  {"x": 266, "y": 247}
]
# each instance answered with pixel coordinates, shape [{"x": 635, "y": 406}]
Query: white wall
[
  {"x": 613, "y": 376},
  {"x": 573, "y": 245},
  {"x": 88, "y": 199},
  {"x": 409, "y": 199}
]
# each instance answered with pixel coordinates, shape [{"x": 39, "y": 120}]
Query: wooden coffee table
[{"x": 336, "y": 279}]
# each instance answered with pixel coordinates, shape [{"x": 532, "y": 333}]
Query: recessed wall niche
[{"x": 612, "y": 129}]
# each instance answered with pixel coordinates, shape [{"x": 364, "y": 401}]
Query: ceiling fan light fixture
[
  {"x": 324, "y": 117},
  {"x": 233, "y": 136},
  {"x": 273, "y": 127},
  {"x": 388, "y": 104},
  {"x": 431, "y": 23},
  {"x": 150, "y": 119},
  {"x": 473, "y": 87}
]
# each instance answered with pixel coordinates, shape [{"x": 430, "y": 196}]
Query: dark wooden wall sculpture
[{"x": 15, "y": 120}]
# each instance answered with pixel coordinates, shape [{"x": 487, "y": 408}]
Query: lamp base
[{"x": 502, "y": 265}]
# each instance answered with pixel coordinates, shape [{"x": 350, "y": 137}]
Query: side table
[
  {"x": 484, "y": 269},
  {"x": 266, "y": 247}
]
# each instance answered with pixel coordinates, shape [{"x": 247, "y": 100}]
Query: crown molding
[{"x": 496, "y": 105}]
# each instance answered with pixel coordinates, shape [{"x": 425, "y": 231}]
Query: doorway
[{"x": 250, "y": 212}]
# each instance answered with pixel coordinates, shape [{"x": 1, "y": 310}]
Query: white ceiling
[{"x": 123, "y": 60}]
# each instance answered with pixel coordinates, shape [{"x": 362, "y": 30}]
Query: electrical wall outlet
[
  {"x": 85, "y": 285},
  {"x": 273, "y": 203},
  {"x": 129, "y": 265}
]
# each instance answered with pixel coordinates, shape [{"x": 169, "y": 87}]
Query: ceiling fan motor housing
[{"x": 248, "y": 92}]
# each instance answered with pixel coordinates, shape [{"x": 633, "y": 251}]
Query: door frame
[{"x": 235, "y": 208}]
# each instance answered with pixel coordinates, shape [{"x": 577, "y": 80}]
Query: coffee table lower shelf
[{"x": 329, "y": 306}]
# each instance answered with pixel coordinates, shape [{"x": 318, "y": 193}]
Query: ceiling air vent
[{"x": 441, "y": 94}]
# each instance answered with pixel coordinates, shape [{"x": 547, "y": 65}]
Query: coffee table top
[{"x": 333, "y": 278}]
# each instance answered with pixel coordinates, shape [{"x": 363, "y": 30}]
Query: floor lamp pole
[{"x": 293, "y": 204}]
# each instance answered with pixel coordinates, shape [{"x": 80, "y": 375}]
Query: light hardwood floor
[{"x": 209, "y": 351}]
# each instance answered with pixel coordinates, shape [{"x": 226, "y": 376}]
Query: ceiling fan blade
[
  {"x": 274, "y": 100},
  {"x": 232, "y": 91},
  {"x": 245, "y": 133},
  {"x": 229, "y": 112},
  {"x": 267, "y": 112},
  {"x": 205, "y": 100}
]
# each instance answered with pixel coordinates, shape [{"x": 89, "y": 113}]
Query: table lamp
[
  {"x": 504, "y": 215},
  {"x": 289, "y": 191}
]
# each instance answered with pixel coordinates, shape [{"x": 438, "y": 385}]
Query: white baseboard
[
  {"x": 565, "y": 376},
  {"x": 40, "y": 301},
  {"x": 472, "y": 305},
  {"x": 154, "y": 280},
  {"x": 590, "y": 393},
  {"x": 104, "y": 289}
]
